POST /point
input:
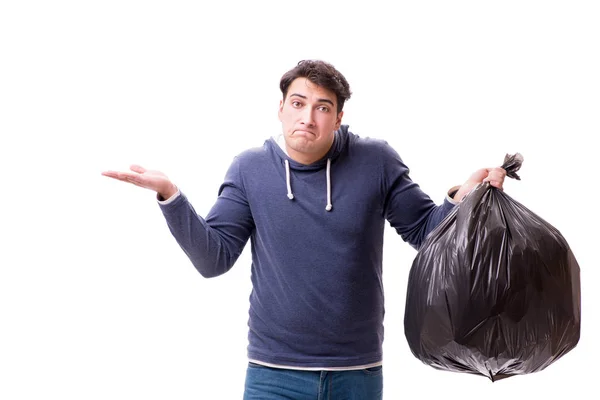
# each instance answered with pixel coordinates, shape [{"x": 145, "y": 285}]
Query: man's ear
[
  {"x": 280, "y": 109},
  {"x": 338, "y": 122}
]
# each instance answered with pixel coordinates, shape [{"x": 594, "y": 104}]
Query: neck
[{"x": 304, "y": 158}]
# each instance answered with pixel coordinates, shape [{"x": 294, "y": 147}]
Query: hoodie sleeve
[
  {"x": 406, "y": 207},
  {"x": 213, "y": 244}
]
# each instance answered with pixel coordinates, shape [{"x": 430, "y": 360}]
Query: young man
[{"x": 314, "y": 202}]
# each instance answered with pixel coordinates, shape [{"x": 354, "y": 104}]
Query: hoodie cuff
[
  {"x": 451, "y": 193},
  {"x": 171, "y": 199}
]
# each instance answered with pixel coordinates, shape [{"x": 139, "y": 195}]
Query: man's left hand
[{"x": 495, "y": 176}]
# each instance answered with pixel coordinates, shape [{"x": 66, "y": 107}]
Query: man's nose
[{"x": 308, "y": 116}]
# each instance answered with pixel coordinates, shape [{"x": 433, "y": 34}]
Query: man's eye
[
  {"x": 296, "y": 103},
  {"x": 324, "y": 109}
]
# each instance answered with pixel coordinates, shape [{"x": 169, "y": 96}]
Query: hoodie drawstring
[
  {"x": 287, "y": 180},
  {"x": 329, "y": 206},
  {"x": 290, "y": 195}
]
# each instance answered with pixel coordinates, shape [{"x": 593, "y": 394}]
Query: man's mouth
[{"x": 304, "y": 132}]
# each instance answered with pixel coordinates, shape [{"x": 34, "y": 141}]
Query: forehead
[{"x": 313, "y": 92}]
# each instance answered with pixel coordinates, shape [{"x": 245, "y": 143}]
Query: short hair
[{"x": 321, "y": 74}]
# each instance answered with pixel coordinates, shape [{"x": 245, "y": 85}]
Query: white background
[{"x": 97, "y": 301}]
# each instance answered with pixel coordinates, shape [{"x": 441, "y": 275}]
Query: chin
[{"x": 300, "y": 141}]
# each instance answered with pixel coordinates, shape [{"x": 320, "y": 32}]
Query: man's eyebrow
[
  {"x": 299, "y": 95},
  {"x": 304, "y": 97}
]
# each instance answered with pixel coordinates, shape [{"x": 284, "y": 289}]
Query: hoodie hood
[{"x": 340, "y": 141}]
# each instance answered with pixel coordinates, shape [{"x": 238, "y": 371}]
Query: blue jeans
[{"x": 265, "y": 383}]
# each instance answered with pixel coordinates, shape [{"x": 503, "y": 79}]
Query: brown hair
[{"x": 322, "y": 74}]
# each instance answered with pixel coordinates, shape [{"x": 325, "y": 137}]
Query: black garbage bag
[{"x": 494, "y": 289}]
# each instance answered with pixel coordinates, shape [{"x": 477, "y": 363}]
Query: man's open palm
[{"x": 149, "y": 179}]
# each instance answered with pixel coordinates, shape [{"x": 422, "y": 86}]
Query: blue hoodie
[{"x": 317, "y": 299}]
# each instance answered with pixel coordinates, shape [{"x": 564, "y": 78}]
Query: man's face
[{"x": 309, "y": 119}]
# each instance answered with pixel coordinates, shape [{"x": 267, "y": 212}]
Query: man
[{"x": 314, "y": 202}]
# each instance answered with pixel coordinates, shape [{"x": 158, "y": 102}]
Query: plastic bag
[{"x": 494, "y": 289}]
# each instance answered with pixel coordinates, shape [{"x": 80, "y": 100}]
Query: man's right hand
[{"x": 153, "y": 180}]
